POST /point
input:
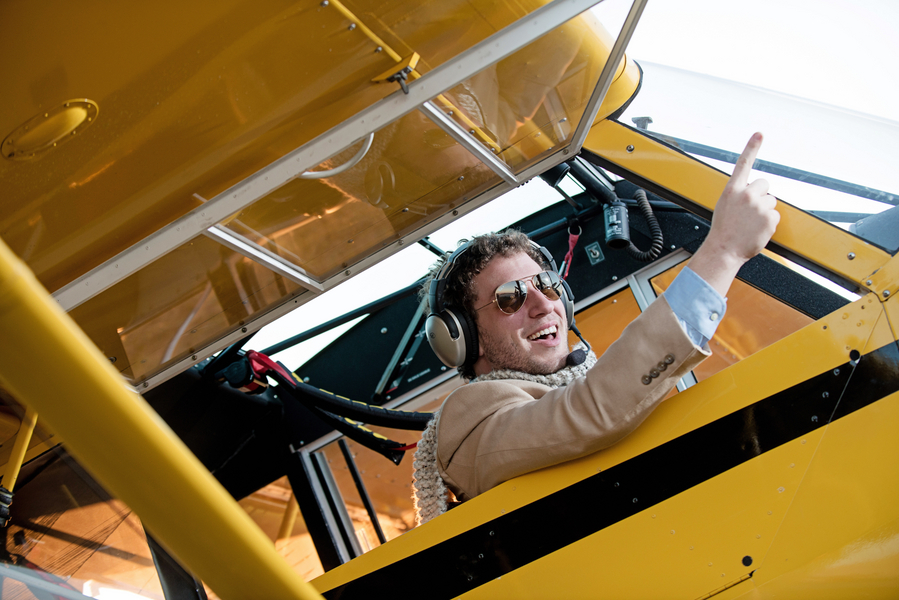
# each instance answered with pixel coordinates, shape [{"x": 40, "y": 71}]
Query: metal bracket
[
  {"x": 883, "y": 281},
  {"x": 399, "y": 72},
  {"x": 388, "y": 379}
]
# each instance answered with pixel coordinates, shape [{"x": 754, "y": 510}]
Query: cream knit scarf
[{"x": 430, "y": 492}]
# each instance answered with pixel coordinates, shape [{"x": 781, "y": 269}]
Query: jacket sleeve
[{"x": 493, "y": 431}]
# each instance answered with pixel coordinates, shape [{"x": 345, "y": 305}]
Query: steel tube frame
[
  {"x": 363, "y": 491},
  {"x": 107, "y": 426},
  {"x": 20, "y": 447},
  {"x": 289, "y": 520}
]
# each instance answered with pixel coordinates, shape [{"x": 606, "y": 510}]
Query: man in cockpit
[{"x": 501, "y": 314}]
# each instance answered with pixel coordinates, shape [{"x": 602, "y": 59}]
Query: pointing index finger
[{"x": 746, "y": 160}]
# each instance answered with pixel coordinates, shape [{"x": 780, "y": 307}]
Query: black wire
[
  {"x": 226, "y": 356},
  {"x": 655, "y": 230},
  {"x": 352, "y": 409}
]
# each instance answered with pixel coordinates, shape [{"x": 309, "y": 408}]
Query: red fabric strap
[
  {"x": 262, "y": 363},
  {"x": 572, "y": 242}
]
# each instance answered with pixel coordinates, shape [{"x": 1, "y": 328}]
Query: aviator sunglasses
[{"x": 510, "y": 296}]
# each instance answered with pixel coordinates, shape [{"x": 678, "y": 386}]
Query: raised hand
[{"x": 743, "y": 222}]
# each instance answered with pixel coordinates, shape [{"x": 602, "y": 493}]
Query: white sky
[{"x": 838, "y": 53}]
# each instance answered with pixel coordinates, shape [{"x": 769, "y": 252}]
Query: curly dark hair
[{"x": 459, "y": 291}]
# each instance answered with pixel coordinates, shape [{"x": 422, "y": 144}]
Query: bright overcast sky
[{"x": 833, "y": 51}]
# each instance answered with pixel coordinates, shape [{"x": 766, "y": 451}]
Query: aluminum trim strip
[
  {"x": 467, "y": 141},
  {"x": 607, "y": 75},
  {"x": 263, "y": 256}
]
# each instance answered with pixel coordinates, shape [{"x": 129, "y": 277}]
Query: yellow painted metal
[
  {"x": 37, "y": 447},
  {"x": 839, "y": 535},
  {"x": 413, "y": 59},
  {"x": 838, "y": 539},
  {"x": 892, "y": 313},
  {"x": 195, "y": 99},
  {"x": 807, "y": 236},
  {"x": 290, "y": 518},
  {"x": 885, "y": 281},
  {"x": 23, "y": 439},
  {"x": 47, "y": 130},
  {"x": 128, "y": 447},
  {"x": 738, "y": 513},
  {"x": 684, "y": 547},
  {"x": 355, "y": 21},
  {"x": 728, "y": 586},
  {"x": 42, "y": 439},
  {"x": 406, "y": 64}
]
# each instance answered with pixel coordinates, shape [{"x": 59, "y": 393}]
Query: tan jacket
[{"x": 492, "y": 431}]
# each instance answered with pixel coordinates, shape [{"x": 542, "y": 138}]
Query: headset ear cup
[
  {"x": 568, "y": 302},
  {"x": 453, "y": 337},
  {"x": 470, "y": 333}
]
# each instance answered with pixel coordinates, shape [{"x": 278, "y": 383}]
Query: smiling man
[
  {"x": 500, "y": 313},
  {"x": 520, "y": 342}
]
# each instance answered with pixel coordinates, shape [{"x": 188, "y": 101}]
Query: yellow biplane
[{"x": 193, "y": 191}]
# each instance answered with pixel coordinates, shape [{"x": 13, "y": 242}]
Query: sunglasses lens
[
  {"x": 548, "y": 283},
  {"x": 510, "y": 296}
]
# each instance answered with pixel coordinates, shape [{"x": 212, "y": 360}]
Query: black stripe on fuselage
[{"x": 477, "y": 556}]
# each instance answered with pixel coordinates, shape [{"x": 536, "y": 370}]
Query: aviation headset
[{"x": 451, "y": 331}]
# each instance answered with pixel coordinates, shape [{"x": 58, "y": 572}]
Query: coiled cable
[{"x": 655, "y": 231}]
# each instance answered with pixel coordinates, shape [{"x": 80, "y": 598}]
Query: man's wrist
[
  {"x": 717, "y": 267},
  {"x": 696, "y": 304}
]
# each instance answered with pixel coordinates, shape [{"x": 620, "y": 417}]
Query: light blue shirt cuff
[{"x": 697, "y": 306}]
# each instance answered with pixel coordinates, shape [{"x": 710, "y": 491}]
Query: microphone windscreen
[{"x": 576, "y": 358}]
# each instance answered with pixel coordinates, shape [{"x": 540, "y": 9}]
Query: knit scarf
[{"x": 429, "y": 492}]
